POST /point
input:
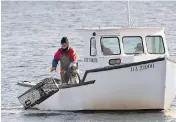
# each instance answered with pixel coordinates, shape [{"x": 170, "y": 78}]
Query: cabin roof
[
  {"x": 134, "y": 30},
  {"x": 122, "y": 28}
]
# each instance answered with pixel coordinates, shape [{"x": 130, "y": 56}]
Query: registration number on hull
[{"x": 142, "y": 67}]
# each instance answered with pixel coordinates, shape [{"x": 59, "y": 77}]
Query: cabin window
[
  {"x": 110, "y": 45},
  {"x": 133, "y": 45},
  {"x": 93, "y": 50},
  {"x": 155, "y": 45}
]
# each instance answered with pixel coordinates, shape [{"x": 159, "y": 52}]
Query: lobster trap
[{"x": 38, "y": 93}]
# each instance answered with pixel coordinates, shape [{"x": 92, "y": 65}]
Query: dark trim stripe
[
  {"x": 76, "y": 85},
  {"x": 120, "y": 66}
]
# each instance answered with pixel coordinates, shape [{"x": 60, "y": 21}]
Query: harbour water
[{"x": 31, "y": 33}]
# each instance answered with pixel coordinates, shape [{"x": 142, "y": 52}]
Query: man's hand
[
  {"x": 62, "y": 72},
  {"x": 52, "y": 69}
]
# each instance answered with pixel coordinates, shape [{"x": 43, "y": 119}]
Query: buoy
[{"x": 26, "y": 83}]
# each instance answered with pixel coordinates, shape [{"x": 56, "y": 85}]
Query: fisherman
[
  {"x": 139, "y": 48},
  {"x": 105, "y": 50},
  {"x": 68, "y": 62}
]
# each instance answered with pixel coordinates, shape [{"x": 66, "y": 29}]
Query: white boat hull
[
  {"x": 143, "y": 85},
  {"x": 170, "y": 83}
]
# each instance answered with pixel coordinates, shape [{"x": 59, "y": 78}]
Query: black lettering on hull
[{"x": 142, "y": 67}]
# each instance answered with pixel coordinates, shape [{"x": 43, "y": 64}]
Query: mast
[{"x": 128, "y": 15}]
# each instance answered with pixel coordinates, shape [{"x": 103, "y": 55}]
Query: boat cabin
[{"x": 116, "y": 46}]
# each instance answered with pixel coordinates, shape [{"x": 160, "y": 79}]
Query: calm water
[{"x": 31, "y": 33}]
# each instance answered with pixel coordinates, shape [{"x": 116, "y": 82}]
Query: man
[
  {"x": 139, "y": 48},
  {"x": 68, "y": 61},
  {"x": 106, "y": 51}
]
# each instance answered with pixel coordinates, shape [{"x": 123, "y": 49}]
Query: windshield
[
  {"x": 132, "y": 45},
  {"x": 110, "y": 46},
  {"x": 155, "y": 45}
]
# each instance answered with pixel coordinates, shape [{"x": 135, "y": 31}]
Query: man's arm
[{"x": 55, "y": 60}]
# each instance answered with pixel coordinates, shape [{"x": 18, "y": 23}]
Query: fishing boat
[{"x": 125, "y": 68}]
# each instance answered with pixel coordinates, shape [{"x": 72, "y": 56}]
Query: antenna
[{"x": 129, "y": 24}]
